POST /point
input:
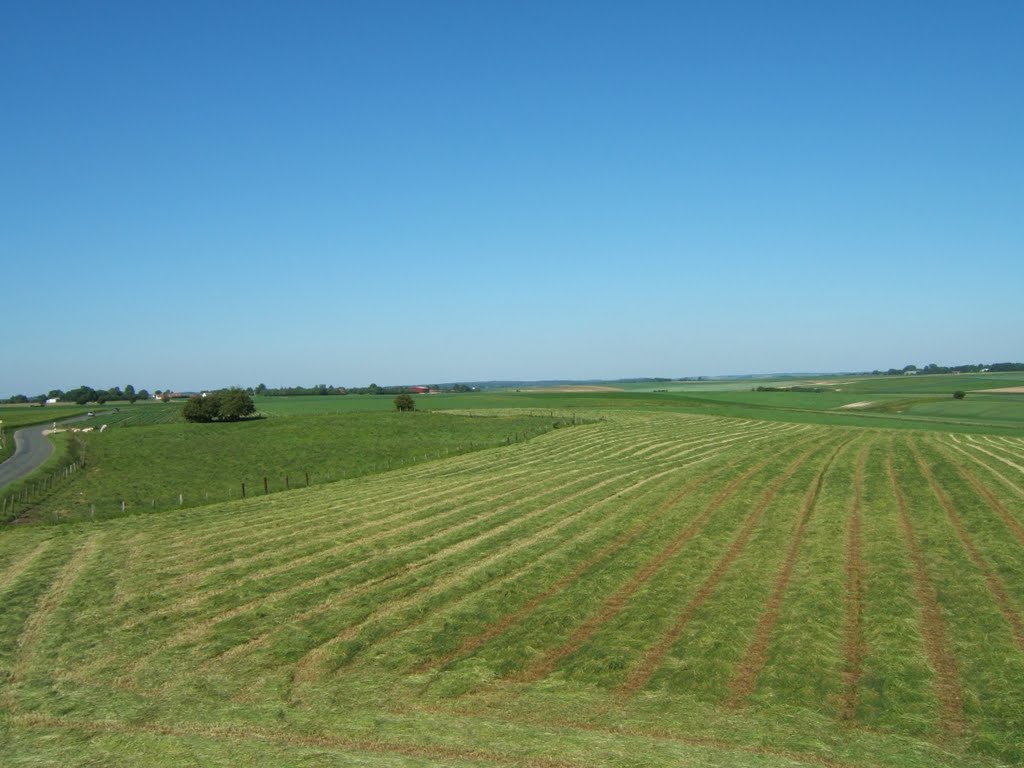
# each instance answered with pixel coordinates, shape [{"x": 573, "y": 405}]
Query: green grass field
[
  {"x": 149, "y": 459},
  {"x": 658, "y": 588}
]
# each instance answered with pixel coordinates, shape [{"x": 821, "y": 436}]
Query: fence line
[{"x": 21, "y": 502}]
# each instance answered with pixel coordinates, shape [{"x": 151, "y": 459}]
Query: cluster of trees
[
  {"x": 83, "y": 394},
  {"x": 965, "y": 368},
  {"x": 231, "y": 404}
]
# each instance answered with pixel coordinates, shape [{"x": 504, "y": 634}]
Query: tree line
[
  {"x": 372, "y": 389},
  {"x": 965, "y": 368},
  {"x": 84, "y": 394}
]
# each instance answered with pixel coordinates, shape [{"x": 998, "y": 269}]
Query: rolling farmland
[{"x": 651, "y": 589}]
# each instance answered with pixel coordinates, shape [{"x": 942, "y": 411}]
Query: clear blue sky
[{"x": 203, "y": 194}]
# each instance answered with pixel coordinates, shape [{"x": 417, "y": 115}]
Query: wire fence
[{"x": 30, "y": 493}]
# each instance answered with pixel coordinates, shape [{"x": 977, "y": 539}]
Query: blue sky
[{"x": 204, "y": 194}]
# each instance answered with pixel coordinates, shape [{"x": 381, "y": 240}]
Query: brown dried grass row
[
  {"x": 745, "y": 678},
  {"x": 994, "y": 504},
  {"x": 643, "y": 672},
  {"x": 471, "y": 644},
  {"x": 618, "y": 601},
  {"x": 242, "y": 733},
  {"x": 995, "y": 586},
  {"x": 933, "y": 630},
  {"x": 21, "y": 564},
  {"x": 50, "y": 602},
  {"x": 853, "y": 639}
]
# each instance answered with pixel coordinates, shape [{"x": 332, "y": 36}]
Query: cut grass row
[{"x": 774, "y": 579}]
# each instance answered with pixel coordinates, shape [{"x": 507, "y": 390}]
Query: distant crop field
[
  {"x": 136, "y": 415},
  {"x": 15, "y": 416},
  {"x": 978, "y": 407},
  {"x": 942, "y": 383},
  {"x": 652, "y": 589},
  {"x": 311, "y": 404}
]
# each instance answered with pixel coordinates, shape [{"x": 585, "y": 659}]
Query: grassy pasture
[
  {"x": 167, "y": 463},
  {"x": 659, "y": 588}
]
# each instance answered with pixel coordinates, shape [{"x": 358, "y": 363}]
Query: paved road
[{"x": 31, "y": 449}]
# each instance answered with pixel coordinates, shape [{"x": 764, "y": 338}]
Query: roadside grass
[
  {"x": 491, "y": 608},
  {"x": 47, "y": 482},
  {"x": 14, "y": 417}
]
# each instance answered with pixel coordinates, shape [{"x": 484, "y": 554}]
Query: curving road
[{"x": 31, "y": 449}]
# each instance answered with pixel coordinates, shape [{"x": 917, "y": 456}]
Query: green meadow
[{"x": 143, "y": 465}]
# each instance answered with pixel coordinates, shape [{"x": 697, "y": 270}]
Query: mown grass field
[{"x": 658, "y": 588}]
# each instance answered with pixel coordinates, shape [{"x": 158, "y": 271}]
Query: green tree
[
  {"x": 235, "y": 404},
  {"x": 129, "y": 393},
  {"x": 405, "y": 403},
  {"x": 201, "y": 408},
  {"x": 227, "y": 405},
  {"x": 959, "y": 394}
]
